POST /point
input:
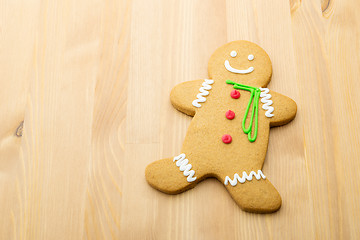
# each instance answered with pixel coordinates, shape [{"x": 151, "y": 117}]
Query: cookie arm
[
  {"x": 183, "y": 95},
  {"x": 284, "y": 109}
]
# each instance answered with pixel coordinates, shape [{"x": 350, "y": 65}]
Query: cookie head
[{"x": 243, "y": 62}]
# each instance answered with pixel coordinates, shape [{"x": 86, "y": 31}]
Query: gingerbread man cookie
[{"x": 228, "y": 136}]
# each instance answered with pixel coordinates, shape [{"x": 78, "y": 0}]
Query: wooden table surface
[{"x": 84, "y": 107}]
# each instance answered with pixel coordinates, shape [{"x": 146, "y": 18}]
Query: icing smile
[{"x": 234, "y": 70}]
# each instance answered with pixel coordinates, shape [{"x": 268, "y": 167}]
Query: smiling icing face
[
  {"x": 234, "y": 70},
  {"x": 241, "y": 61}
]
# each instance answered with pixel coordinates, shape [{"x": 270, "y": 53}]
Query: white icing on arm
[
  {"x": 185, "y": 167},
  {"x": 244, "y": 177},
  {"x": 203, "y": 92},
  {"x": 265, "y": 98}
]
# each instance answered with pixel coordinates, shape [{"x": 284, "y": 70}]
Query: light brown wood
[{"x": 91, "y": 82}]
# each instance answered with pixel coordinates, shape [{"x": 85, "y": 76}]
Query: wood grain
[{"x": 84, "y": 107}]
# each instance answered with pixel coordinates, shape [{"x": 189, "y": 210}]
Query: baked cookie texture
[{"x": 229, "y": 133}]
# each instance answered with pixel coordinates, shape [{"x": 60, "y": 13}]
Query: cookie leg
[
  {"x": 173, "y": 175},
  {"x": 256, "y": 195}
]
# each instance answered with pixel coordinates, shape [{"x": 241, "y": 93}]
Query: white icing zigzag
[
  {"x": 203, "y": 92},
  {"x": 244, "y": 177},
  {"x": 265, "y": 98},
  {"x": 185, "y": 167}
]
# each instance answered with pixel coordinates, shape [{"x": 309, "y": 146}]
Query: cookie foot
[
  {"x": 172, "y": 175},
  {"x": 258, "y": 196}
]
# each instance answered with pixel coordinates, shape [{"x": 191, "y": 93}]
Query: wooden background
[{"x": 91, "y": 79}]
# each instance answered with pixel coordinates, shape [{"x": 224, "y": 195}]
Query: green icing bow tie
[{"x": 255, "y": 94}]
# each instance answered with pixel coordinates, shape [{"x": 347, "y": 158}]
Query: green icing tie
[{"x": 255, "y": 94}]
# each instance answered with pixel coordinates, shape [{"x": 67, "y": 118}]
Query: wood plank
[
  {"x": 105, "y": 191},
  {"x": 58, "y": 123},
  {"x": 17, "y": 39},
  {"x": 326, "y": 41}
]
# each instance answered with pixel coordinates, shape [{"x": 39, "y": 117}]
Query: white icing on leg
[
  {"x": 244, "y": 177},
  {"x": 203, "y": 92},
  {"x": 185, "y": 167},
  {"x": 265, "y": 98}
]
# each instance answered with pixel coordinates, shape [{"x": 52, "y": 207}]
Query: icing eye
[
  {"x": 233, "y": 53},
  {"x": 251, "y": 57}
]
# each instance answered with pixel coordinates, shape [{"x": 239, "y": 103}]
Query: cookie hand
[
  {"x": 284, "y": 109},
  {"x": 183, "y": 95}
]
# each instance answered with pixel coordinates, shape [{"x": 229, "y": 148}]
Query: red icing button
[
  {"x": 230, "y": 115},
  {"x": 226, "y": 138},
  {"x": 235, "y": 94}
]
